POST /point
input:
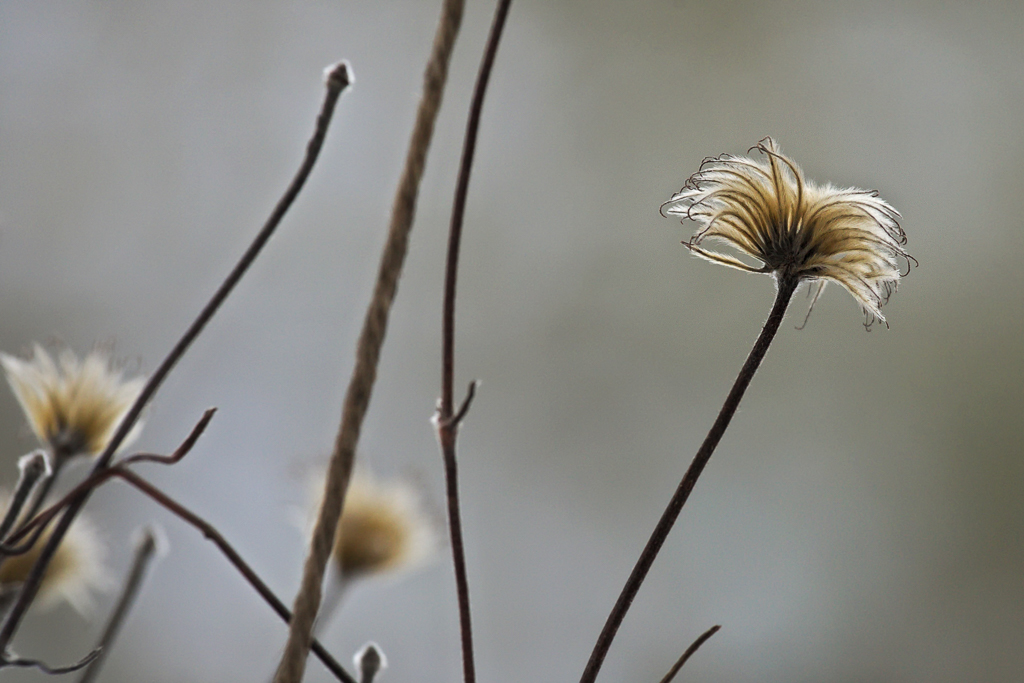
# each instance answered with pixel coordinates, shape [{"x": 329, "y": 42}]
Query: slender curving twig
[
  {"x": 145, "y": 551},
  {"x": 689, "y": 653},
  {"x": 371, "y": 339},
  {"x": 39, "y": 523},
  {"x": 447, "y": 420},
  {"x": 179, "y": 452},
  {"x": 23, "y": 663},
  {"x": 786, "y": 287},
  {"x": 338, "y": 78},
  {"x": 211, "y": 533}
]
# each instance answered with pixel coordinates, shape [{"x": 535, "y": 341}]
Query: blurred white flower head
[
  {"x": 383, "y": 528},
  {"x": 75, "y": 573},
  {"x": 767, "y": 210},
  {"x": 73, "y": 406}
]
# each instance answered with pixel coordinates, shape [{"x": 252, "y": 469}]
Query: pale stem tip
[
  {"x": 369, "y": 661},
  {"x": 35, "y": 464},
  {"x": 339, "y": 74},
  {"x": 152, "y": 540}
]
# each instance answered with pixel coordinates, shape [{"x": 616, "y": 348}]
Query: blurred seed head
[
  {"x": 73, "y": 406},
  {"x": 767, "y": 210},
  {"x": 75, "y": 573},
  {"x": 383, "y": 528}
]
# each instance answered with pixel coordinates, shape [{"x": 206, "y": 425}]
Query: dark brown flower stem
[
  {"x": 459, "y": 208},
  {"x": 786, "y": 287},
  {"x": 39, "y": 665},
  {"x": 38, "y": 524},
  {"x": 210, "y": 532},
  {"x": 447, "y": 419},
  {"x": 337, "y": 80},
  {"x": 689, "y": 653},
  {"x": 145, "y": 551}
]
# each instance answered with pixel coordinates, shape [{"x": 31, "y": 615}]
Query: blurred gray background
[{"x": 862, "y": 520}]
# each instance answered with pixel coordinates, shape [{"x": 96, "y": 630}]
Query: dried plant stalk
[
  {"x": 786, "y": 287},
  {"x": 145, "y": 551},
  {"x": 447, "y": 420},
  {"x": 338, "y": 79},
  {"x": 703, "y": 638},
  {"x": 357, "y": 397}
]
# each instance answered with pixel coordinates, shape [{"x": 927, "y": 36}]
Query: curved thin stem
[
  {"x": 338, "y": 79},
  {"x": 786, "y": 287},
  {"x": 145, "y": 551},
  {"x": 459, "y": 207},
  {"x": 447, "y": 420},
  {"x": 37, "y": 525},
  {"x": 46, "y": 668},
  {"x": 211, "y": 533},
  {"x": 703, "y": 638}
]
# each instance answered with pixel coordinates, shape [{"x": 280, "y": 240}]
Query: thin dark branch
[
  {"x": 37, "y": 525},
  {"x": 459, "y": 208},
  {"x": 145, "y": 551},
  {"x": 446, "y": 420},
  {"x": 39, "y": 522},
  {"x": 689, "y": 653},
  {"x": 464, "y": 407},
  {"x": 210, "y": 532},
  {"x": 451, "y": 478},
  {"x": 337, "y": 80},
  {"x": 40, "y": 492},
  {"x": 182, "y": 450},
  {"x": 371, "y": 339},
  {"x": 604, "y": 641},
  {"x": 52, "y": 671}
]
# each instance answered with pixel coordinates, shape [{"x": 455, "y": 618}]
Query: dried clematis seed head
[
  {"x": 766, "y": 209},
  {"x": 383, "y": 528},
  {"x": 73, "y": 405}
]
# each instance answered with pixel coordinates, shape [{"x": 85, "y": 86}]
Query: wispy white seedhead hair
[
  {"x": 73, "y": 406},
  {"x": 766, "y": 209}
]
